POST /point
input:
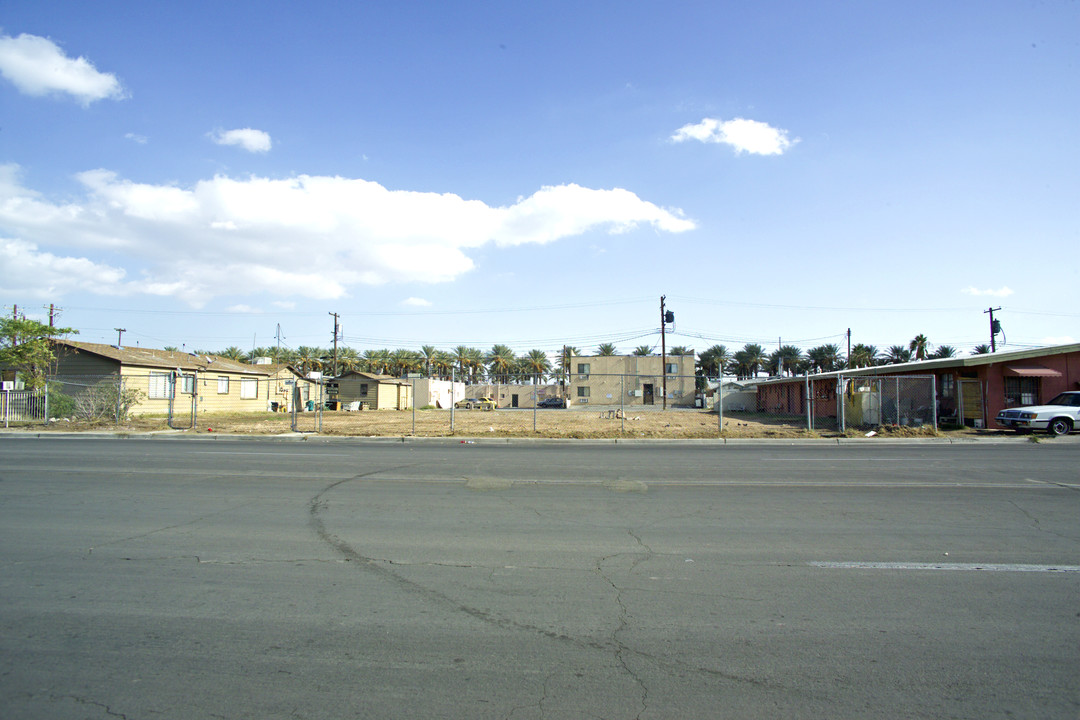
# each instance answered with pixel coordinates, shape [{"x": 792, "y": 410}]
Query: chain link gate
[
  {"x": 869, "y": 401},
  {"x": 307, "y": 415}
]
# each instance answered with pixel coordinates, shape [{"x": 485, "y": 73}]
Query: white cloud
[
  {"x": 30, "y": 272},
  {"x": 1002, "y": 292},
  {"x": 749, "y": 136},
  {"x": 306, "y": 236},
  {"x": 243, "y": 309},
  {"x": 416, "y": 302},
  {"x": 134, "y": 137},
  {"x": 38, "y": 66},
  {"x": 252, "y": 140}
]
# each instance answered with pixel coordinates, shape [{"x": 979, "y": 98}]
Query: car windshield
[{"x": 1067, "y": 398}]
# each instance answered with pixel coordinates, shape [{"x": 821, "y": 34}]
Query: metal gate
[
  {"x": 24, "y": 406},
  {"x": 307, "y": 414}
]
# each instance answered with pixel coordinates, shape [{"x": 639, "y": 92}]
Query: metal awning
[{"x": 1030, "y": 370}]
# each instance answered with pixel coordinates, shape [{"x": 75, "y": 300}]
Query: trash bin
[{"x": 310, "y": 406}]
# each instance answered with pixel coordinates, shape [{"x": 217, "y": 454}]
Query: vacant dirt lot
[{"x": 672, "y": 424}]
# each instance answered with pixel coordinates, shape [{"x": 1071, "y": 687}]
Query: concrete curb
[{"x": 483, "y": 440}]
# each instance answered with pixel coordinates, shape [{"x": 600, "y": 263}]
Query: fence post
[
  {"x": 453, "y": 397},
  {"x": 622, "y": 402}
]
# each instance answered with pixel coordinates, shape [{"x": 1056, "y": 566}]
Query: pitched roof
[{"x": 170, "y": 359}]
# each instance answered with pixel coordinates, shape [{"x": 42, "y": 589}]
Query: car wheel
[{"x": 1059, "y": 427}]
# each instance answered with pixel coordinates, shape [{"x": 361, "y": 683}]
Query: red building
[{"x": 970, "y": 390}]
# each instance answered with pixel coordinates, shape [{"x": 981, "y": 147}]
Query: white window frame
[
  {"x": 160, "y": 386},
  {"x": 249, "y": 388}
]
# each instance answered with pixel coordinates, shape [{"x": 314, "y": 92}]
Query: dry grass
[{"x": 671, "y": 424}]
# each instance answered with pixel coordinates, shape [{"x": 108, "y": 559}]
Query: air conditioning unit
[
  {"x": 582, "y": 377},
  {"x": 636, "y": 393},
  {"x": 583, "y": 401},
  {"x": 7, "y": 385},
  {"x": 314, "y": 375}
]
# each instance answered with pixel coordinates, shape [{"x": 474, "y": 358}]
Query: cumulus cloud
[
  {"x": 416, "y": 302},
  {"x": 749, "y": 136},
  {"x": 1002, "y": 292},
  {"x": 38, "y": 66},
  {"x": 28, "y": 271},
  {"x": 135, "y": 137},
  {"x": 305, "y": 236},
  {"x": 249, "y": 139}
]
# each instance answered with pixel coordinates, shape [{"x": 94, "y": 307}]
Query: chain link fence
[
  {"x": 178, "y": 400},
  {"x": 853, "y": 402}
]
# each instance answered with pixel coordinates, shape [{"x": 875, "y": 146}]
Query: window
[
  {"x": 672, "y": 368},
  {"x": 161, "y": 386},
  {"x": 223, "y": 385},
  {"x": 1021, "y": 391},
  {"x": 363, "y": 388},
  {"x": 583, "y": 368},
  {"x": 249, "y": 388},
  {"x": 948, "y": 385},
  {"x": 583, "y": 391},
  {"x": 187, "y": 384}
]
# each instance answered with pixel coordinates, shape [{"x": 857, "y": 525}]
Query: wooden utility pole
[
  {"x": 663, "y": 351},
  {"x": 119, "y": 335},
  {"x": 994, "y": 328},
  {"x": 335, "y": 341}
]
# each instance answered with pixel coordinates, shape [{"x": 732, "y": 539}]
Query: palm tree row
[{"x": 500, "y": 364}]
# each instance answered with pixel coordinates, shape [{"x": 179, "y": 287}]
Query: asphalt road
[{"x": 188, "y": 578}]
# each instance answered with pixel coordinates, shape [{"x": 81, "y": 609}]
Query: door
[
  {"x": 648, "y": 391},
  {"x": 513, "y": 401},
  {"x": 971, "y": 402}
]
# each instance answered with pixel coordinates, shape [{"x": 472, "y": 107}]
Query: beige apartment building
[{"x": 631, "y": 380}]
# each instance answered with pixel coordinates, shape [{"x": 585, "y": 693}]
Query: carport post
[
  {"x": 933, "y": 399},
  {"x": 719, "y": 402},
  {"x": 809, "y": 414},
  {"x": 840, "y": 402}
]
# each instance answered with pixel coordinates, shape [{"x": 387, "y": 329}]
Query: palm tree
[
  {"x": 233, "y": 353},
  {"x": 404, "y": 361},
  {"x": 537, "y": 364},
  {"x": 680, "y": 351},
  {"x": 565, "y": 359},
  {"x": 944, "y": 351},
  {"x": 500, "y": 362},
  {"x": 377, "y": 362},
  {"x": 348, "y": 359},
  {"x": 919, "y": 345},
  {"x": 825, "y": 358},
  {"x": 642, "y": 351},
  {"x": 606, "y": 349},
  {"x": 441, "y": 364},
  {"x": 788, "y": 359},
  {"x": 863, "y": 355},
  {"x": 713, "y": 360},
  {"x": 750, "y": 359},
  {"x": 428, "y": 355},
  {"x": 897, "y": 354},
  {"x": 982, "y": 349},
  {"x": 307, "y": 359}
]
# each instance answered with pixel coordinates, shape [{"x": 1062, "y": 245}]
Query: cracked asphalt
[{"x": 190, "y": 578}]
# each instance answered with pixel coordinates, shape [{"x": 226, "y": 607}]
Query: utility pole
[
  {"x": 995, "y": 328},
  {"x": 849, "y": 347},
  {"x": 663, "y": 351},
  {"x": 335, "y": 341},
  {"x": 277, "y": 353},
  {"x": 666, "y": 316},
  {"x": 52, "y": 315},
  {"x": 119, "y": 335}
]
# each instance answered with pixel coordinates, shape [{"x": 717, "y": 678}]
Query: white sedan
[{"x": 1057, "y": 417}]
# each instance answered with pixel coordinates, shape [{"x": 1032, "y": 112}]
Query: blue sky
[{"x": 539, "y": 175}]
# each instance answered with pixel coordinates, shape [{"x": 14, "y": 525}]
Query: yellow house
[
  {"x": 168, "y": 379},
  {"x": 366, "y": 391},
  {"x": 631, "y": 380}
]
